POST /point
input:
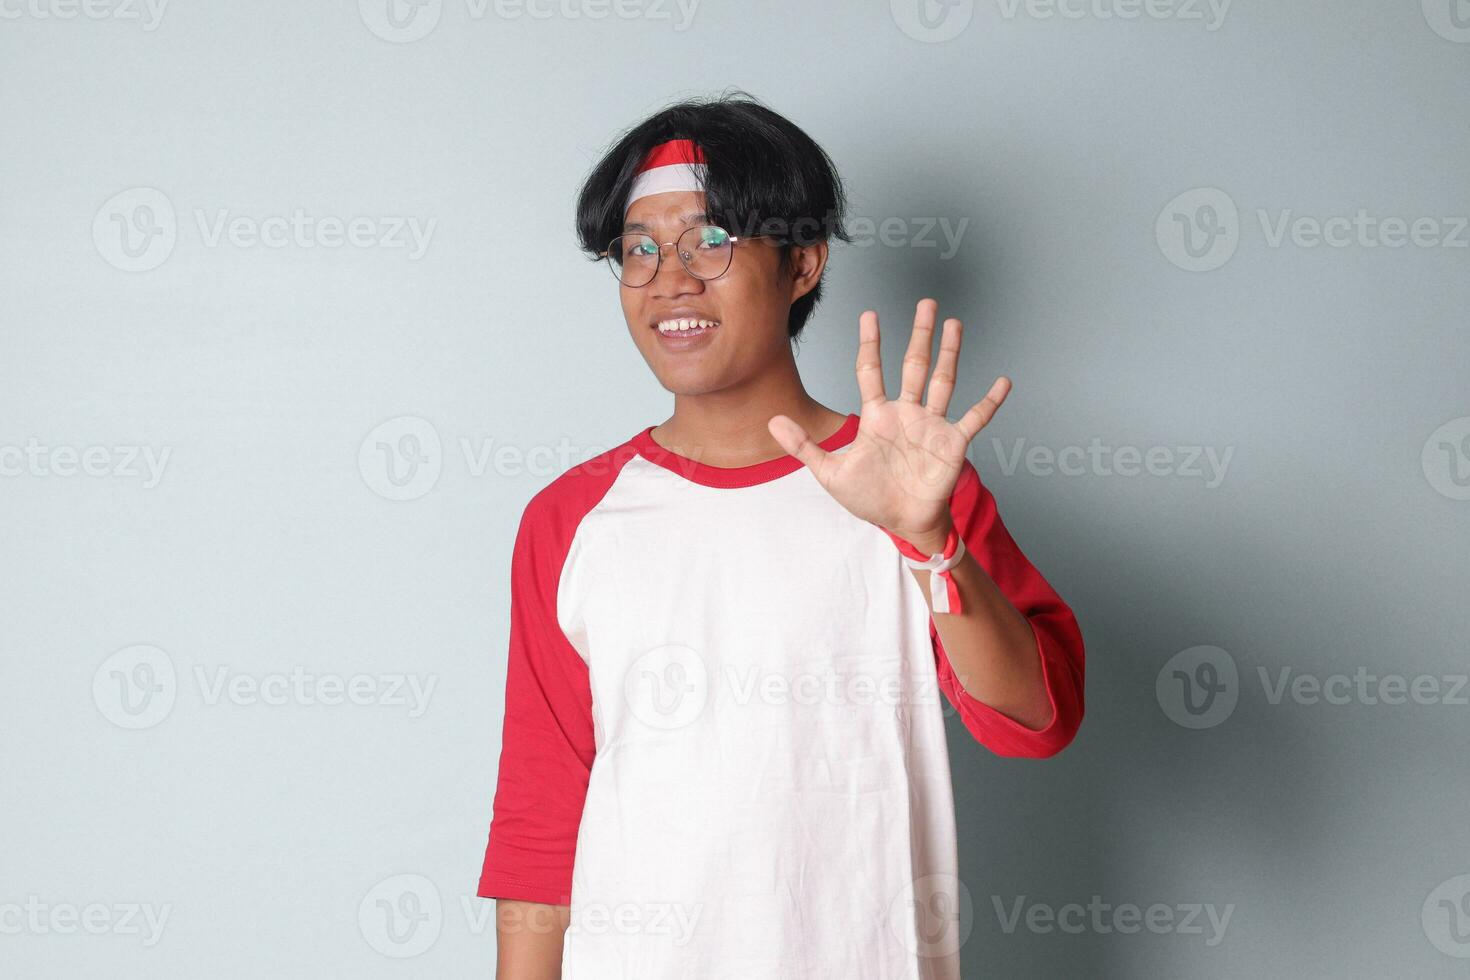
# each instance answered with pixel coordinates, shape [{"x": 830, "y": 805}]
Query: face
[{"x": 745, "y": 310}]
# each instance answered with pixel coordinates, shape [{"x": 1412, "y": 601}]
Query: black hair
[{"x": 765, "y": 177}]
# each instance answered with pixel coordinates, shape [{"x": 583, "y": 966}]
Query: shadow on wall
[{"x": 1137, "y": 810}]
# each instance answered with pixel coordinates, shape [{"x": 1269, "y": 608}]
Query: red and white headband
[{"x": 677, "y": 165}]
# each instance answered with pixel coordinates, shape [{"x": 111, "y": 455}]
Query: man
[{"x": 723, "y": 751}]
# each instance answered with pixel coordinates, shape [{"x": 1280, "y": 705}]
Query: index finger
[{"x": 869, "y": 360}]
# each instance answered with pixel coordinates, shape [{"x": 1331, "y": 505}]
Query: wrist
[
  {"x": 939, "y": 555},
  {"x": 930, "y": 541}
]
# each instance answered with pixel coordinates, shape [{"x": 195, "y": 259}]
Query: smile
[{"x": 685, "y": 326}]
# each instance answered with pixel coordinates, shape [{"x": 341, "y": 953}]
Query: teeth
[{"x": 685, "y": 323}]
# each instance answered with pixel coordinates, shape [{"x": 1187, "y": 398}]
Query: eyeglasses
[{"x": 705, "y": 251}]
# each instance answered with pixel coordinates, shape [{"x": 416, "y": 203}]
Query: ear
[{"x": 805, "y": 264}]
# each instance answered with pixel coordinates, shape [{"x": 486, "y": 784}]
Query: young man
[{"x": 724, "y": 751}]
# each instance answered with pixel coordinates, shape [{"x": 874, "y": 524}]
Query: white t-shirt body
[{"x": 752, "y": 726}]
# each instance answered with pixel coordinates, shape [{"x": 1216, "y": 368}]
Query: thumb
[{"x": 796, "y": 442}]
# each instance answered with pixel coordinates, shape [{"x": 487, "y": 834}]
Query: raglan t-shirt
[{"x": 724, "y": 739}]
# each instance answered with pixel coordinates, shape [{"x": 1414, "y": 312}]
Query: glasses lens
[
  {"x": 705, "y": 251},
  {"x": 634, "y": 259}
]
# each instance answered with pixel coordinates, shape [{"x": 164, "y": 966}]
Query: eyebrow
[{"x": 687, "y": 219}]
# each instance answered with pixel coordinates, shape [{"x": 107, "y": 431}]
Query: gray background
[{"x": 1335, "y": 377}]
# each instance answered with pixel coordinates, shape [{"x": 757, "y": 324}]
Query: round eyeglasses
[{"x": 704, "y": 250}]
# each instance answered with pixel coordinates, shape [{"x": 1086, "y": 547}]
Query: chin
[
  {"x": 692, "y": 382},
  {"x": 683, "y": 386}
]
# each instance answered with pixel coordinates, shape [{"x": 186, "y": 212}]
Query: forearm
[
  {"x": 990, "y": 645},
  {"x": 529, "y": 940}
]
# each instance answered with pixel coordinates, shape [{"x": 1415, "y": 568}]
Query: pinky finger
[{"x": 980, "y": 414}]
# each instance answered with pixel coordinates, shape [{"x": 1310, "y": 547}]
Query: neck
[{"x": 728, "y": 427}]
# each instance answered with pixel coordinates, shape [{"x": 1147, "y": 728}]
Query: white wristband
[{"x": 936, "y": 565}]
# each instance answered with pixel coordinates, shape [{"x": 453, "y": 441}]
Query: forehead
[{"x": 671, "y": 210}]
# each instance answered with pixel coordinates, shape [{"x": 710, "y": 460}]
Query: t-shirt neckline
[{"x": 730, "y": 477}]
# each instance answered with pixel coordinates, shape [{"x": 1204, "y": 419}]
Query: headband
[{"x": 677, "y": 165}]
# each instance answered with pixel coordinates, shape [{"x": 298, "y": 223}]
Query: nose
[{"x": 672, "y": 279}]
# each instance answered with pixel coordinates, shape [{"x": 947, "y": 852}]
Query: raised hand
[{"x": 907, "y": 456}]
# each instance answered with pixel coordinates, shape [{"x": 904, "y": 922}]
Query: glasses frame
[{"x": 733, "y": 240}]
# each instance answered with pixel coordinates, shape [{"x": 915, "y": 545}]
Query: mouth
[
  {"x": 685, "y": 326},
  {"x": 682, "y": 332}
]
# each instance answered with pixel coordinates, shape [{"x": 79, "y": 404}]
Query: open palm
[{"x": 907, "y": 456}]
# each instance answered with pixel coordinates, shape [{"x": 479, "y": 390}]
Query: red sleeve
[
  {"x": 1058, "y": 639},
  {"x": 547, "y": 743}
]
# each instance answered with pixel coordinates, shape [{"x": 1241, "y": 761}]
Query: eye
[
  {"x": 713, "y": 237},
  {"x": 639, "y": 248}
]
